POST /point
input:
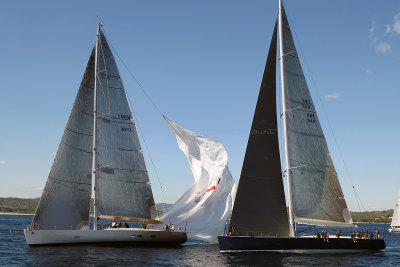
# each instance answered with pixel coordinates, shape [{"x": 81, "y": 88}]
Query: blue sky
[{"x": 202, "y": 62}]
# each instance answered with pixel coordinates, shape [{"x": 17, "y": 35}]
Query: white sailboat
[
  {"x": 260, "y": 220},
  {"x": 100, "y": 151},
  {"x": 395, "y": 225}
]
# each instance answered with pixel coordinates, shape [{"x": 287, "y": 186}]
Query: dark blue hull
[{"x": 247, "y": 243}]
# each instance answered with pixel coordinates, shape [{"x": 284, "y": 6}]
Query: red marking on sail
[{"x": 209, "y": 189}]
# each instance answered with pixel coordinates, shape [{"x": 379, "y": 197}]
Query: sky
[{"x": 201, "y": 63}]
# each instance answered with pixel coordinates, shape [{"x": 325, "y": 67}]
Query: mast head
[{"x": 99, "y": 25}]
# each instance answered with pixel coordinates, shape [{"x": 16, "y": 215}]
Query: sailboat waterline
[
  {"x": 260, "y": 220},
  {"x": 100, "y": 151}
]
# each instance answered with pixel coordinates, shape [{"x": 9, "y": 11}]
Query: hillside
[
  {"x": 28, "y": 205},
  {"x": 18, "y": 205},
  {"x": 384, "y": 216}
]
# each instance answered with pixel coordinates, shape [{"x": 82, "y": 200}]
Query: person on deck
[
  {"x": 317, "y": 235},
  {"x": 371, "y": 236},
  {"x": 126, "y": 225},
  {"x": 230, "y": 229},
  {"x": 144, "y": 226},
  {"x": 338, "y": 233},
  {"x": 353, "y": 236},
  {"x": 172, "y": 228},
  {"x": 366, "y": 232},
  {"x": 358, "y": 235},
  {"x": 377, "y": 234},
  {"x": 166, "y": 227},
  {"x": 114, "y": 224},
  {"x": 119, "y": 224}
]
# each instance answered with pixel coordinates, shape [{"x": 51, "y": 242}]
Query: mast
[
  {"x": 291, "y": 221},
  {"x": 94, "y": 167}
]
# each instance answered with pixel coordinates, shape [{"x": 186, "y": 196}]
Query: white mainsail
[
  {"x": 315, "y": 194},
  {"x": 205, "y": 206},
  {"x": 396, "y": 213}
]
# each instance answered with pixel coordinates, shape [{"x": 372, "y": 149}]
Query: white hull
[
  {"x": 119, "y": 236},
  {"x": 394, "y": 230}
]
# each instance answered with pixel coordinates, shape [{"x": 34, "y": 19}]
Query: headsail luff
[
  {"x": 124, "y": 187},
  {"x": 316, "y": 194},
  {"x": 396, "y": 212},
  {"x": 65, "y": 200},
  {"x": 260, "y": 207},
  {"x": 205, "y": 206}
]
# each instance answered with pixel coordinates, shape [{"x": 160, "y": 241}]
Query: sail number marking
[
  {"x": 124, "y": 117},
  {"x": 307, "y": 105},
  {"x": 126, "y": 129},
  {"x": 310, "y": 117}
]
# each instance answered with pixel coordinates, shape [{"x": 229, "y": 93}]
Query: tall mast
[
  {"x": 94, "y": 163},
  {"x": 283, "y": 84}
]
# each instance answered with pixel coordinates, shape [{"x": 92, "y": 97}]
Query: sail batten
[
  {"x": 260, "y": 207},
  {"x": 315, "y": 193}
]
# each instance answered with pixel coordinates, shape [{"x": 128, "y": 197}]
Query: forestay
[
  {"x": 124, "y": 187},
  {"x": 205, "y": 206},
  {"x": 396, "y": 212},
  {"x": 65, "y": 200},
  {"x": 316, "y": 195}
]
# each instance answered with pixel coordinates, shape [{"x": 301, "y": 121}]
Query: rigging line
[
  {"x": 150, "y": 157},
  {"x": 326, "y": 114},
  {"x": 136, "y": 80}
]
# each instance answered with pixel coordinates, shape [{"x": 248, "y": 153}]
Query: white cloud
[
  {"x": 388, "y": 29},
  {"x": 53, "y": 154},
  {"x": 332, "y": 96},
  {"x": 3, "y": 162},
  {"x": 369, "y": 71},
  {"x": 40, "y": 188},
  {"x": 372, "y": 30},
  {"x": 383, "y": 48},
  {"x": 396, "y": 24}
]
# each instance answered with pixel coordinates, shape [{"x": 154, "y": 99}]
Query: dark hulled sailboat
[{"x": 260, "y": 220}]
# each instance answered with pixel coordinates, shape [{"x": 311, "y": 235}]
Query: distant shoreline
[{"x": 11, "y": 213}]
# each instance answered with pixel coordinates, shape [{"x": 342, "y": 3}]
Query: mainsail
[
  {"x": 316, "y": 197},
  {"x": 396, "y": 213},
  {"x": 205, "y": 206},
  {"x": 65, "y": 201},
  {"x": 260, "y": 207},
  {"x": 124, "y": 188}
]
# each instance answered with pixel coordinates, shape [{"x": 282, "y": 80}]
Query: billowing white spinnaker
[{"x": 205, "y": 206}]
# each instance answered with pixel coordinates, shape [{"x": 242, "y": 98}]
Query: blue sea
[{"x": 14, "y": 251}]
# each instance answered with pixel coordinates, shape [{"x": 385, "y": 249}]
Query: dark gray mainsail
[
  {"x": 316, "y": 196},
  {"x": 124, "y": 188},
  {"x": 260, "y": 207},
  {"x": 65, "y": 201}
]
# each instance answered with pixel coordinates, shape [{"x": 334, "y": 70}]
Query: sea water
[{"x": 14, "y": 251}]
